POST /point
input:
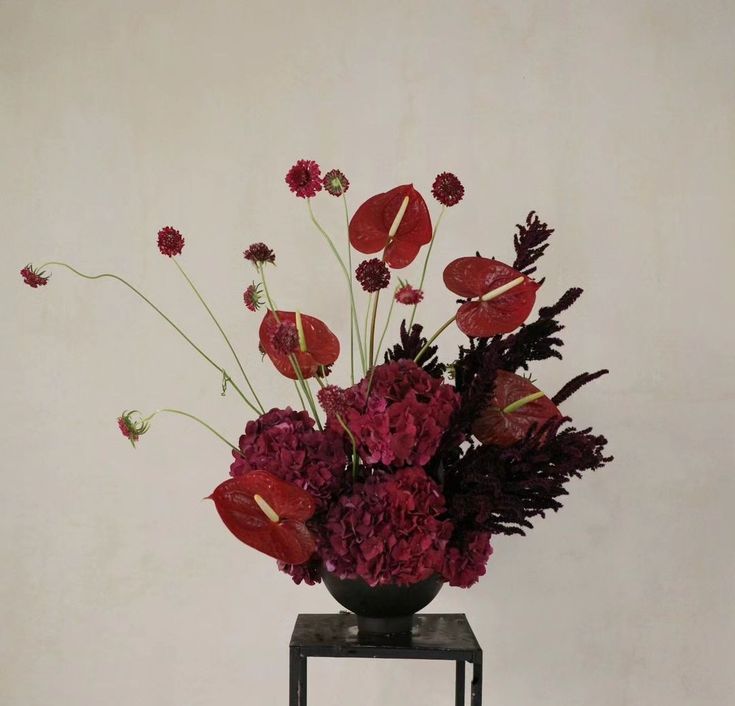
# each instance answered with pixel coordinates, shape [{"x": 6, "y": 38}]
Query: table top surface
[{"x": 335, "y": 634}]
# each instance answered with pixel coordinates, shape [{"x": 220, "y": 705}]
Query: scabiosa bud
[
  {"x": 447, "y": 189},
  {"x": 373, "y": 275},
  {"x": 132, "y": 426},
  {"x": 170, "y": 241},
  {"x": 259, "y": 254},
  {"x": 335, "y": 182},
  {"x": 286, "y": 338},
  {"x": 305, "y": 178},
  {"x": 33, "y": 278},
  {"x": 406, "y": 294},
  {"x": 332, "y": 399},
  {"x": 251, "y": 297}
]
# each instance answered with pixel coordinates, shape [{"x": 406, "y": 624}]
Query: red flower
[
  {"x": 504, "y": 421},
  {"x": 476, "y": 277},
  {"x": 304, "y": 178},
  {"x": 33, "y": 278},
  {"x": 251, "y": 297},
  {"x": 373, "y": 275},
  {"x": 322, "y": 346},
  {"x": 267, "y": 514},
  {"x": 259, "y": 254},
  {"x": 406, "y": 294},
  {"x": 131, "y": 429},
  {"x": 170, "y": 241},
  {"x": 332, "y": 399},
  {"x": 335, "y": 182},
  {"x": 371, "y": 224},
  {"x": 464, "y": 565},
  {"x": 447, "y": 189}
]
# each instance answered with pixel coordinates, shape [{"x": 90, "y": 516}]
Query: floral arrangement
[{"x": 408, "y": 471}]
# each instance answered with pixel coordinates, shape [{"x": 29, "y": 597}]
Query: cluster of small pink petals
[
  {"x": 464, "y": 565},
  {"x": 285, "y": 443},
  {"x": 32, "y": 277},
  {"x": 406, "y": 294},
  {"x": 309, "y": 573},
  {"x": 447, "y": 189},
  {"x": 335, "y": 182},
  {"x": 126, "y": 430},
  {"x": 305, "y": 178},
  {"x": 170, "y": 241},
  {"x": 251, "y": 297},
  {"x": 388, "y": 530},
  {"x": 286, "y": 338},
  {"x": 259, "y": 254},
  {"x": 373, "y": 275},
  {"x": 403, "y": 420},
  {"x": 332, "y": 399}
]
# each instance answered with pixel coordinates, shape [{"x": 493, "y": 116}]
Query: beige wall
[{"x": 614, "y": 119}]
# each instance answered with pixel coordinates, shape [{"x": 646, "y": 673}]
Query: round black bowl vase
[{"x": 385, "y": 609}]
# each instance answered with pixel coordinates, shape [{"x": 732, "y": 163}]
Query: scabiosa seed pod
[
  {"x": 259, "y": 254},
  {"x": 170, "y": 241},
  {"x": 304, "y": 178},
  {"x": 34, "y": 278},
  {"x": 447, "y": 189},
  {"x": 332, "y": 399},
  {"x": 132, "y": 426},
  {"x": 335, "y": 182},
  {"x": 251, "y": 297},
  {"x": 406, "y": 294},
  {"x": 373, "y": 275},
  {"x": 286, "y": 338}
]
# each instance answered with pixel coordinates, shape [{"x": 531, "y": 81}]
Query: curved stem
[
  {"x": 439, "y": 331},
  {"x": 166, "y": 318},
  {"x": 353, "y": 441},
  {"x": 372, "y": 326},
  {"x": 196, "y": 419},
  {"x": 426, "y": 263},
  {"x": 221, "y": 330},
  {"x": 385, "y": 330},
  {"x": 352, "y": 296}
]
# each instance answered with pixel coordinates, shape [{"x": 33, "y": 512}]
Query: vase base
[{"x": 394, "y": 625}]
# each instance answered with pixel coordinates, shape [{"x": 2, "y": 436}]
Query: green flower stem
[
  {"x": 224, "y": 335},
  {"x": 436, "y": 335},
  {"x": 426, "y": 262},
  {"x": 385, "y": 330},
  {"x": 348, "y": 277},
  {"x": 515, "y": 406},
  {"x": 353, "y": 441},
  {"x": 224, "y": 373},
  {"x": 352, "y": 296},
  {"x": 196, "y": 419},
  {"x": 298, "y": 392},
  {"x": 372, "y": 327}
]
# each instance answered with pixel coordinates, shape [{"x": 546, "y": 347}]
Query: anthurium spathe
[
  {"x": 267, "y": 514},
  {"x": 383, "y": 222},
  {"x": 489, "y": 312},
  {"x": 287, "y": 335},
  {"x": 516, "y": 405}
]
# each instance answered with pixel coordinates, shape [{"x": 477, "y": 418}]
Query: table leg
[
  {"x": 459, "y": 684},
  {"x": 476, "y": 690},
  {"x": 302, "y": 681},
  {"x": 293, "y": 677}
]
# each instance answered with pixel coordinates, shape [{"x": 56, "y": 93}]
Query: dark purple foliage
[
  {"x": 409, "y": 347},
  {"x": 574, "y": 384},
  {"x": 530, "y": 243}
]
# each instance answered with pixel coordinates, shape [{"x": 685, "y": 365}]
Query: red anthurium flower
[
  {"x": 478, "y": 276},
  {"x": 370, "y": 226},
  {"x": 515, "y": 406},
  {"x": 322, "y": 346},
  {"x": 268, "y": 514}
]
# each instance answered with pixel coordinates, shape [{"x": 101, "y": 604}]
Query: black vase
[{"x": 385, "y": 609}]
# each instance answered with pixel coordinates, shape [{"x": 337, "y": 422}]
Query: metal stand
[{"x": 434, "y": 636}]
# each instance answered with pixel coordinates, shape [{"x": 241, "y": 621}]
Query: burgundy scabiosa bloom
[
  {"x": 335, "y": 182},
  {"x": 406, "y": 294},
  {"x": 33, "y": 278},
  {"x": 373, "y": 275},
  {"x": 447, "y": 189},
  {"x": 170, "y": 241},
  {"x": 131, "y": 426},
  {"x": 251, "y": 297},
  {"x": 305, "y": 178},
  {"x": 259, "y": 254},
  {"x": 332, "y": 399},
  {"x": 285, "y": 338}
]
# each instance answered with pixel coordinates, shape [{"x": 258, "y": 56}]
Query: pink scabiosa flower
[
  {"x": 465, "y": 562},
  {"x": 285, "y": 338},
  {"x": 132, "y": 426},
  {"x": 373, "y": 275},
  {"x": 447, "y": 189},
  {"x": 335, "y": 182},
  {"x": 332, "y": 399},
  {"x": 406, "y": 294},
  {"x": 259, "y": 254},
  {"x": 305, "y": 178},
  {"x": 170, "y": 241},
  {"x": 34, "y": 278},
  {"x": 251, "y": 297}
]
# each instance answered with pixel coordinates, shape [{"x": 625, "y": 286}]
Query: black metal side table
[{"x": 434, "y": 636}]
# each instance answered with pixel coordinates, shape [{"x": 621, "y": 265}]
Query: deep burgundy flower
[
  {"x": 464, "y": 564},
  {"x": 388, "y": 530},
  {"x": 335, "y": 182},
  {"x": 170, "y": 241},
  {"x": 332, "y": 399},
  {"x": 308, "y": 573},
  {"x": 259, "y": 254},
  {"x": 251, "y": 297},
  {"x": 285, "y": 443},
  {"x": 132, "y": 426},
  {"x": 406, "y": 294},
  {"x": 33, "y": 278},
  {"x": 373, "y": 275},
  {"x": 447, "y": 189},
  {"x": 285, "y": 338},
  {"x": 304, "y": 178}
]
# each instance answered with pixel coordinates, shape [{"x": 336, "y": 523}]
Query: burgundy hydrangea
[
  {"x": 251, "y": 297},
  {"x": 305, "y": 178},
  {"x": 285, "y": 443},
  {"x": 259, "y": 254},
  {"x": 286, "y": 338},
  {"x": 335, "y": 182},
  {"x": 406, "y": 294},
  {"x": 309, "y": 573},
  {"x": 447, "y": 189},
  {"x": 373, "y": 275},
  {"x": 463, "y": 565},
  {"x": 388, "y": 530},
  {"x": 170, "y": 241},
  {"x": 405, "y": 417},
  {"x": 332, "y": 399},
  {"x": 33, "y": 278}
]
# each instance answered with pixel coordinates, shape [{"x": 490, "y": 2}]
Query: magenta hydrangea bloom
[
  {"x": 464, "y": 565},
  {"x": 309, "y": 573},
  {"x": 305, "y": 178}
]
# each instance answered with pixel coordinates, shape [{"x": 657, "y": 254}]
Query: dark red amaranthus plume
[
  {"x": 575, "y": 383},
  {"x": 530, "y": 243},
  {"x": 409, "y": 347}
]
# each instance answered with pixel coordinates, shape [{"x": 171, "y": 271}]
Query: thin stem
[
  {"x": 196, "y": 419},
  {"x": 372, "y": 326},
  {"x": 166, "y": 318},
  {"x": 426, "y": 263},
  {"x": 439, "y": 331},
  {"x": 221, "y": 330},
  {"x": 298, "y": 392},
  {"x": 353, "y": 441},
  {"x": 385, "y": 330},
  {"x": 352, "y": 296}
]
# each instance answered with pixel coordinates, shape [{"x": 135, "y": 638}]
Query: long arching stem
[
  {"x": 426, "y": 262},
  {"x": 196, "y": 419},
  {"x": 352, "y": 296}
]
